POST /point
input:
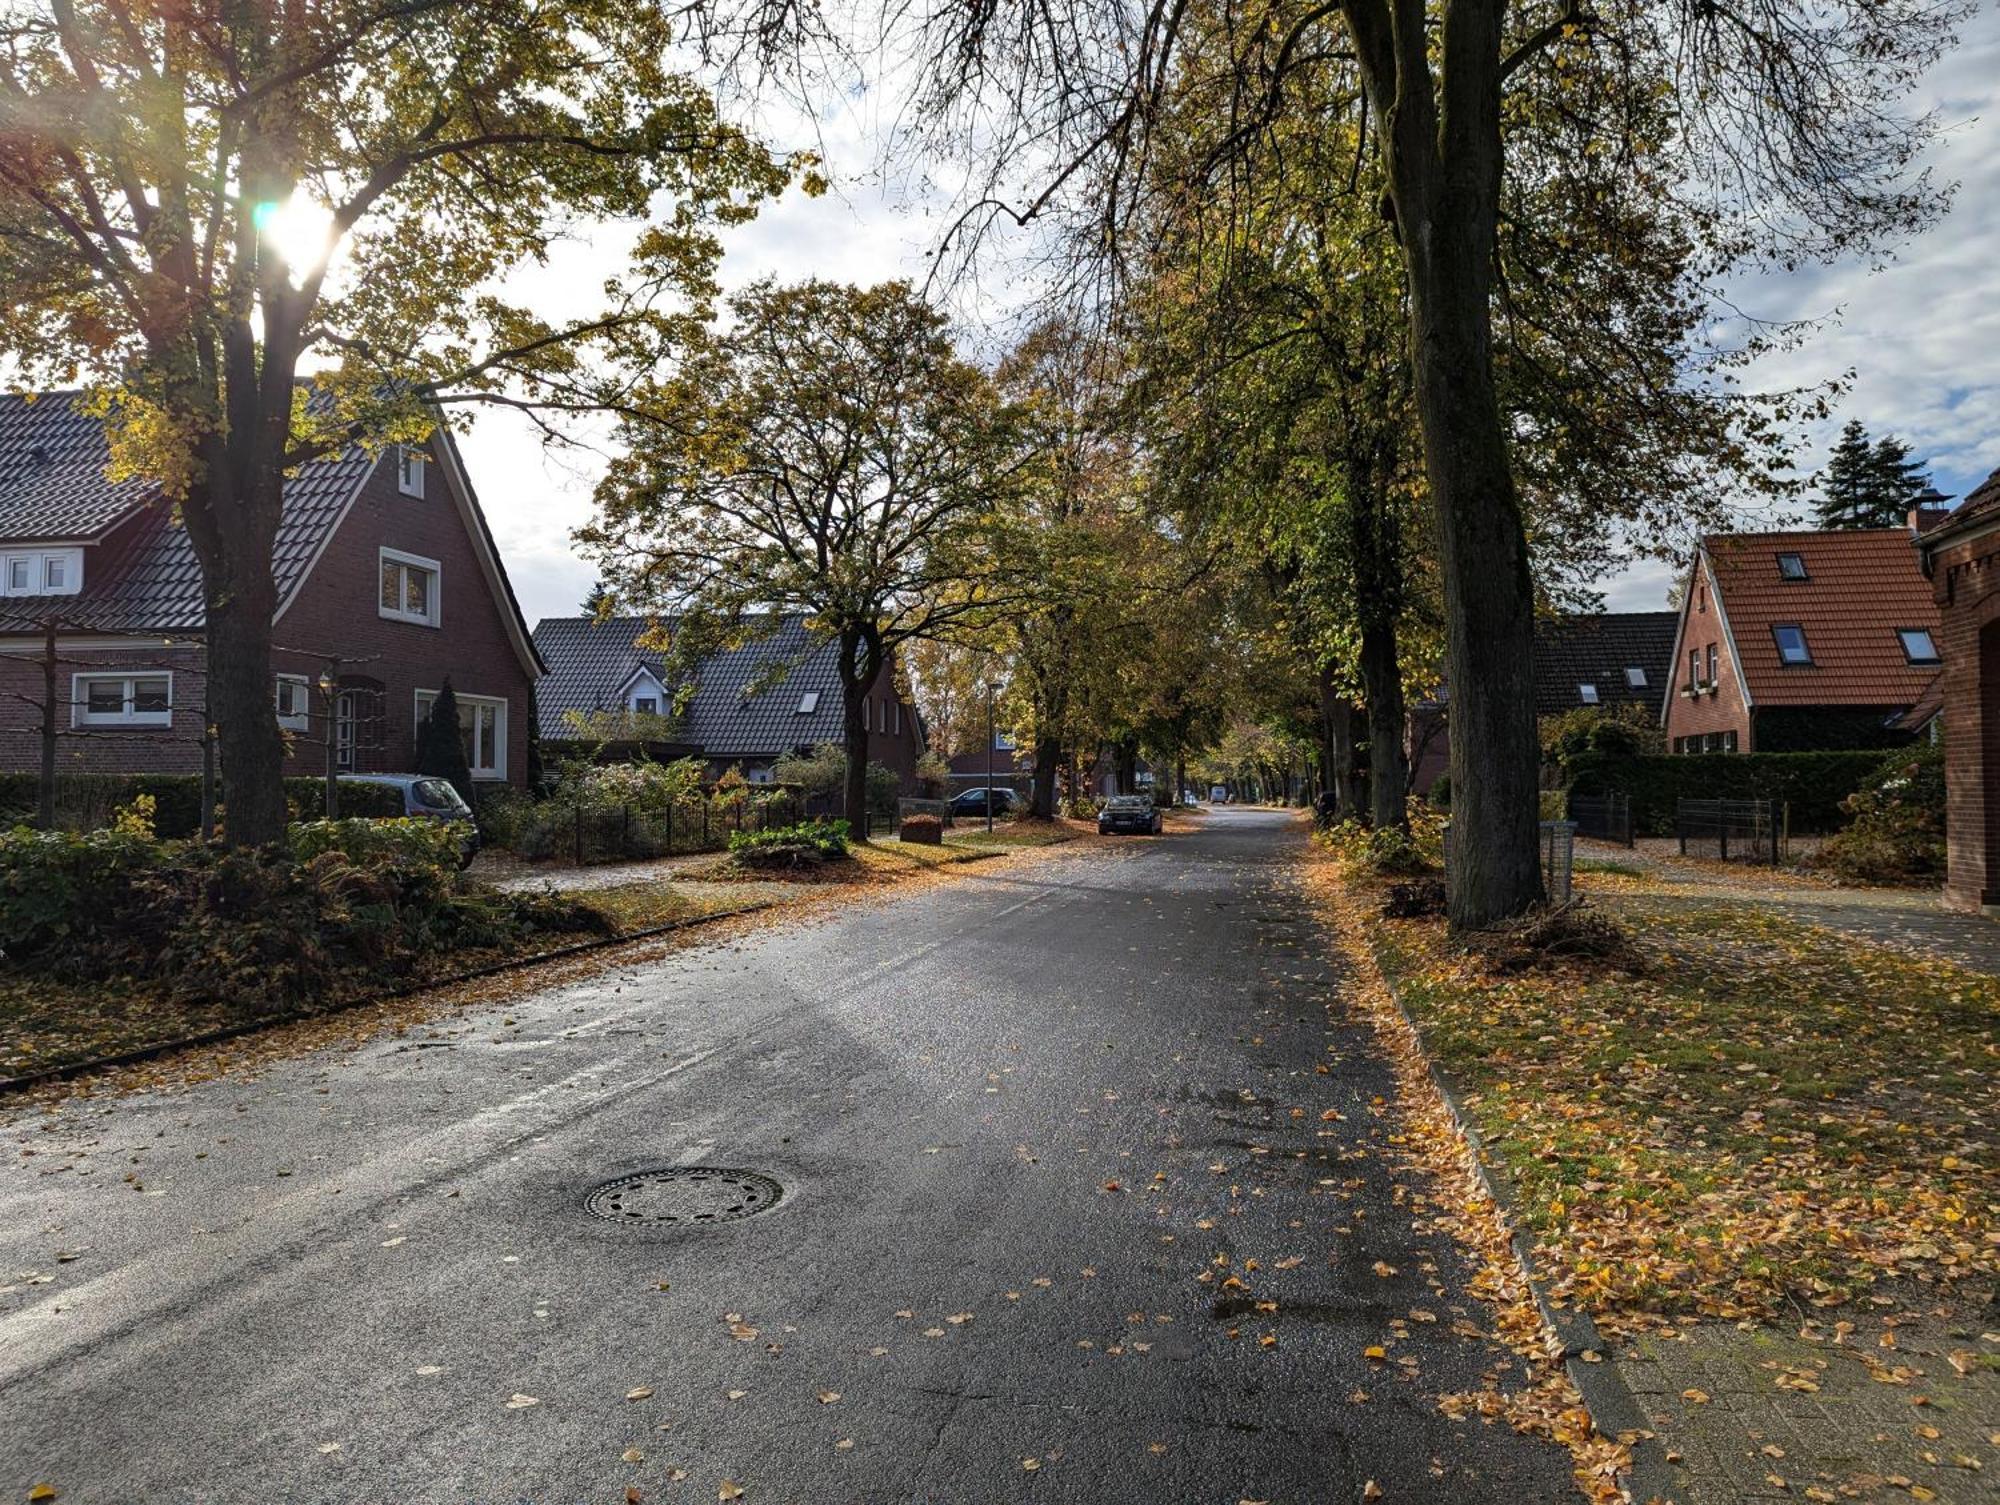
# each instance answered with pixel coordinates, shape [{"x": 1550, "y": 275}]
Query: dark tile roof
[
  {"x": 1572, "y": 651},
  {"x": 1860, "y": 586},
  {"x": 142, "y": 576},
  {"x": 745, "y": 702}
]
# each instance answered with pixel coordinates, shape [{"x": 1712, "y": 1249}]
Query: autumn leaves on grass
[{"x": 1760, "y": 1109}]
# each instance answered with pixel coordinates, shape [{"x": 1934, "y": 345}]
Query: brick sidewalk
[{"x": 1762, "y": 1414}]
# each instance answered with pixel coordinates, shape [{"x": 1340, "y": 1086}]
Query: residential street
[{"x": 1015, "y": 1115}]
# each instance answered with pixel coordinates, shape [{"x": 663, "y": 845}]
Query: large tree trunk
[
  {"x": 1336, "y": 715},
  {"x": 1444, "y": 161},
  {"x": 1388, "y": 769},
  {"x": 860, "y": 662},
  {"x": 251, "y": 748},
  {"x": 1048, "y": 757}
]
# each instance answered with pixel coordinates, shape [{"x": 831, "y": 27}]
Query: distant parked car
[
  {"x": 427, "y": 797},
  {"x": 1134, "y": 813},
  {"x": 973, "y": 802}
]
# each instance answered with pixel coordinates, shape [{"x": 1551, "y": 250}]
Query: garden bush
[
  {"x": 353, "y": 905},
  {"x": 86, "y": 801},
  {"x": 1895, "y": 831},
  {"x": 807, "y": 844}
]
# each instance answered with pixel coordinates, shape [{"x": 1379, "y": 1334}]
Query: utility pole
[
  {"x": 45, "y": 809},
  {"x": 329, "y": 693}
]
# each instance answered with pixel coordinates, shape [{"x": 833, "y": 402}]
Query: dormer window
[
  {"x": 410, "y": 471},
  {"x": 1792, "y": 566},
  {"x": 44, "y": 572}
]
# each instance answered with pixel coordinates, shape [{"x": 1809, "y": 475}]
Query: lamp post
[
  {"x": 992, "y": 689},
  {"x": 329, "y": 687}
]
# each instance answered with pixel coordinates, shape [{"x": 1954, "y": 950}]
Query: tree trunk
[
  {"x": 1337, "y": 720},
  {"x": 1048, "y": 757},
  {"x": 250, "y": 746},
  {"x": 1388, "y": 768},
  {"x": 860, "y": 662},
  {"x": 1441, "y": 144},
  {"x": 1128, "y": 767}
]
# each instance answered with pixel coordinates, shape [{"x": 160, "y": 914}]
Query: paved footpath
[
  {"x": 1902, "y": 1405},
  {"x": 1014, "y": 1119}
]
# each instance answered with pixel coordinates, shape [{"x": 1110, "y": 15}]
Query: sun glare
[{"x": 296, "y": 230}]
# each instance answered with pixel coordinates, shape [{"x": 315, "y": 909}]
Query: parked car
[
  {"x": 973, "y": 802},
  {"x": 428, "y": 797},
  {"x": 1129, "y": 812}
]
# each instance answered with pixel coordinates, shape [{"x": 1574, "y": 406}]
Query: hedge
[
  {"x": 1811, "y": 784},
  {"x": 84, "y": 801}
]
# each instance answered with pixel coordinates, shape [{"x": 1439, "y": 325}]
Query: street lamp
[
  {"x": 329, "y": 686},
  {"x": 992, "y": 689}
]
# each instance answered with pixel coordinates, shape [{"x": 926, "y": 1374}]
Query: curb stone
[{"x": 1614, "y": 1410}]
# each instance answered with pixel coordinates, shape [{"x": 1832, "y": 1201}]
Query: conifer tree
[
  {"x": 441, "y": 743},
  {"x": 1868, "y": 485}
]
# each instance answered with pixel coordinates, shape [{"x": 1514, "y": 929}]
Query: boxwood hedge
[{"x": 1811, "y": 784}]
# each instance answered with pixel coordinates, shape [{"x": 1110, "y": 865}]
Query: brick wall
[
  {"x": 1712, "y": 711},
  {"x": 175, "y": 748},
  {"x": 1966, "y": 583}
]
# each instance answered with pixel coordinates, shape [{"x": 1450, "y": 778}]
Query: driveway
[{"x": 1016, "y": 1119}]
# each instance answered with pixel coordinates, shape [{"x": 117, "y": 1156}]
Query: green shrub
[
  {"x": 806, "y": 844},
  {"x": 1381, "y": 851},
  {"x": 355, "y": 905},
  {"x": 1620, "y": 731},
  {"x": 1811, "y": 784},
  {"x": 1895, "y": 833},
  {"x": 86, "y": 801}
]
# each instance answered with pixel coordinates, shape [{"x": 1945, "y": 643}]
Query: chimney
[{"x": 1932, "y": 507}]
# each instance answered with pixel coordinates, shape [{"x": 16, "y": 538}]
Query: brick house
[
  {"x": 748, "y": 706},
  {"x": 388, "y": 584},
  {"x": 1791, "y": 642},
  {"x": 1960, "y": 555}
]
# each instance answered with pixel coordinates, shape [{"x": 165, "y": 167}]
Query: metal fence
[
  {"x": 1558, "y": 844},
  {"x": 1731, "y": 830},
  {"x": 1604, "y": 817}
]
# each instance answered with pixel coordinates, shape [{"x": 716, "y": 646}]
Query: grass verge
[
  {"x": 1769, "y": 1110},
  {"x": 45, "y": 1024}
]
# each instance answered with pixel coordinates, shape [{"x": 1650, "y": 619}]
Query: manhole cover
[{"x": 684, "y": 1195}]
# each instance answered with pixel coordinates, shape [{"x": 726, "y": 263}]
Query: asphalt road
[{"x": 1014, "y": 1116}]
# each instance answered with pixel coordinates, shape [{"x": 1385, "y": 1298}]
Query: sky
[{"x": 1920, "y": 335}]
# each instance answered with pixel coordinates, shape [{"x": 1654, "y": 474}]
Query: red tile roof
[{"x": 1860, "y": 587}]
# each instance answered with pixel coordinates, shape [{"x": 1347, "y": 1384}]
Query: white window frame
[
  {"x": 300, "y": 720},
  {"x": 80, "y": 714},
  {"x": 33, "y": 566},
  {"x": 422, "y": 702},
  {"x": 410, "y": 467},
  {"x": 435, "y": 616}
]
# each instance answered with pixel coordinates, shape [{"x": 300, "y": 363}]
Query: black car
[
  {"x": 973, "y": 802},
  {"x": 1129, "y": 813}
]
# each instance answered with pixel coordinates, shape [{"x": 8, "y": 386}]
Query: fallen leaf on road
[
  {"x": 329, "y": 1447},
  {"x": 520, "y": 1402},
  {"x": 1384, "y": 1269},
  {"x": 430, "y": 1369},
  {"x": 730, "y": 1490},
  {"x": 742, "y": 1332},
  {"x": 738, "y": 1394},
  {"x": 42, "y": 1492},
  {"x": 845, "y": 1445},
  {"x": 1031, "y": 1464},
  {"x": 1699, "y": 1397},
  {"x": 933, "y": 1332},
  {"x": 1157, "y": 1447},
  {"x": 1376, "y": 1352},
  {"x": 390, "y": 1243},
  {"x": 639, "y": 1392},
  {"x": 632, "y": 1455},
  {"x": 632, "y": 1495},
  {"x": 1371, "y": 1491},
  {"x": 828, "y": 1397},
  {"x": 959, "y": 1319}
]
